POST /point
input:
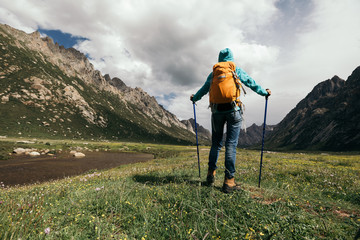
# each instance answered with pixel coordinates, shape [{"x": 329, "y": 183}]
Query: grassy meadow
[{"x": 302, "y": 196}]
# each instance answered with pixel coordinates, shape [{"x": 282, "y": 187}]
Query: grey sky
[{"x": 168, "y": 47}]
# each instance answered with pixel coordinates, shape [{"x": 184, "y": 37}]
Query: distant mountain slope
[
  {"x": 49, "y": 91},
  {"x": 326, "y": 119},
  {"x": 202, "y": 132},
  {"x": 253, "y": 135}
]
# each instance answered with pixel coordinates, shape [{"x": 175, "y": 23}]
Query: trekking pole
[
  {"x": 197, "y": 143},
  {"x": 263, "y": 137}
]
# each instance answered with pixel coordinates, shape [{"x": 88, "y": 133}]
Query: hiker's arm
[
  {"x": 203, "y": 90},
  {"x": 249, "y": 82}
]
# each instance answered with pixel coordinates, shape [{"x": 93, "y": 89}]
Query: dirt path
[{"x": 26, "y": 170}]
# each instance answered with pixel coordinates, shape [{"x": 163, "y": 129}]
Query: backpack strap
[
  {"x": 237, "y": 81},
  {"x": 238, "y": 85}
]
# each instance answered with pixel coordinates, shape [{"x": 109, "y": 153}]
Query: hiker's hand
[
  {"x": 268, "y": 91},
  {"x": 191, "y": 98}
]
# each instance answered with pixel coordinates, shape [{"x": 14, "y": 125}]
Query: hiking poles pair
[
  {"x": 197, "y": 143},
  {"x": 263, "y": 137}
]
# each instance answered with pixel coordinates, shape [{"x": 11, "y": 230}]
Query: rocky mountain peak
[
  {"x": 253, "y": 135},
  {"x": 326, "y": 88},
  {"x": 42, "y": 75},
  {"x": 327, "y": 119},
  {"x": 116, "y": 82},
  {"x": 354, "y": 78},
  {"x": 202, "y": 132}
]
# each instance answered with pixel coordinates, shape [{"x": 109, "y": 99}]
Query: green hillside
[{"x": 39, "y": 100}]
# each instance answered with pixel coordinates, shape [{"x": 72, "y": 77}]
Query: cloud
[
  {"x": 11, "y": 19},
  {"x": 327, "y": 44},
  {"x": 169, "y": 47},
  {"x": 332, "y": 45}
]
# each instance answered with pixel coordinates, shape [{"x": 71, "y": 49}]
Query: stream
[{"x": 23, "y": 170}]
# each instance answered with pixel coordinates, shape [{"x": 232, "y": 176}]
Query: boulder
[
  {"x": 29, "y": 150},
  {"x": 79, "y": 155},
  {"x": 33, "y": 154},
  {"x": 19, "y": 151},
  {"x": 4, "y": 99}
]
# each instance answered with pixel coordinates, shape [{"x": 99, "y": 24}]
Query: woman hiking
[{"x": 223, "y": 85}]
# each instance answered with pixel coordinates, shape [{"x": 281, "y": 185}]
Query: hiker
[{"x": 223, "y": 86}]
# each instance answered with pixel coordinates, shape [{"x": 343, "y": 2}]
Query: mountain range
[
  {"x": 202, "y": 132},
  {"x": 252, "y": 136},
  {"x": 326, "y": 119},
  {"x": 49, "y": 91}
]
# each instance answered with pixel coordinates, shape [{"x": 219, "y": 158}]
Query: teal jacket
[{"x": 226, "y": 55}]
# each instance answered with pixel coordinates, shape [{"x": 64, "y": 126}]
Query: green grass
[{"x": 302, "y": 196}]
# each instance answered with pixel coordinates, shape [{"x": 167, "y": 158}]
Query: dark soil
[{"x": 23, "y": 170}]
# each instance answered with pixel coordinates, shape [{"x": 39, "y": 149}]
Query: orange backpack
[{"x": 225, "y": 86}]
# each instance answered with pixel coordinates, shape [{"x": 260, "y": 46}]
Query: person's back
[{"x": 223, "y": 85}]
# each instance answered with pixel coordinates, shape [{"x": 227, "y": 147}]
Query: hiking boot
[
  {"x": 210, "y": 178},
  {"x": 229, "y": 185}
]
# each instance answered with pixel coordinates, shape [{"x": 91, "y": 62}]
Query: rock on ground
[
  {"x": 19, "y": 150},
  {"x": 79, "y": 154},
  {"x": 34, "y": 154}
]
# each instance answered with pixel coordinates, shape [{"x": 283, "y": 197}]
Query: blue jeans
[{"x": 233, "y": 123}]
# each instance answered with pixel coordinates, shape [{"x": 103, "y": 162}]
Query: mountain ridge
[
  {"x": 326, "y": 119},
  {"x": 202, "y": 132},
  {"x": 47, "y": 90},
  {"x": 62, "y": 86},
  {"x": 252, "y": 137}
]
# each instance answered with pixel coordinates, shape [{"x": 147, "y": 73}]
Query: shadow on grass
[
  {"x": 174, "y": 183},
  {"x": 172, "y": 179},
  {"x": 163, "y": 180}
]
